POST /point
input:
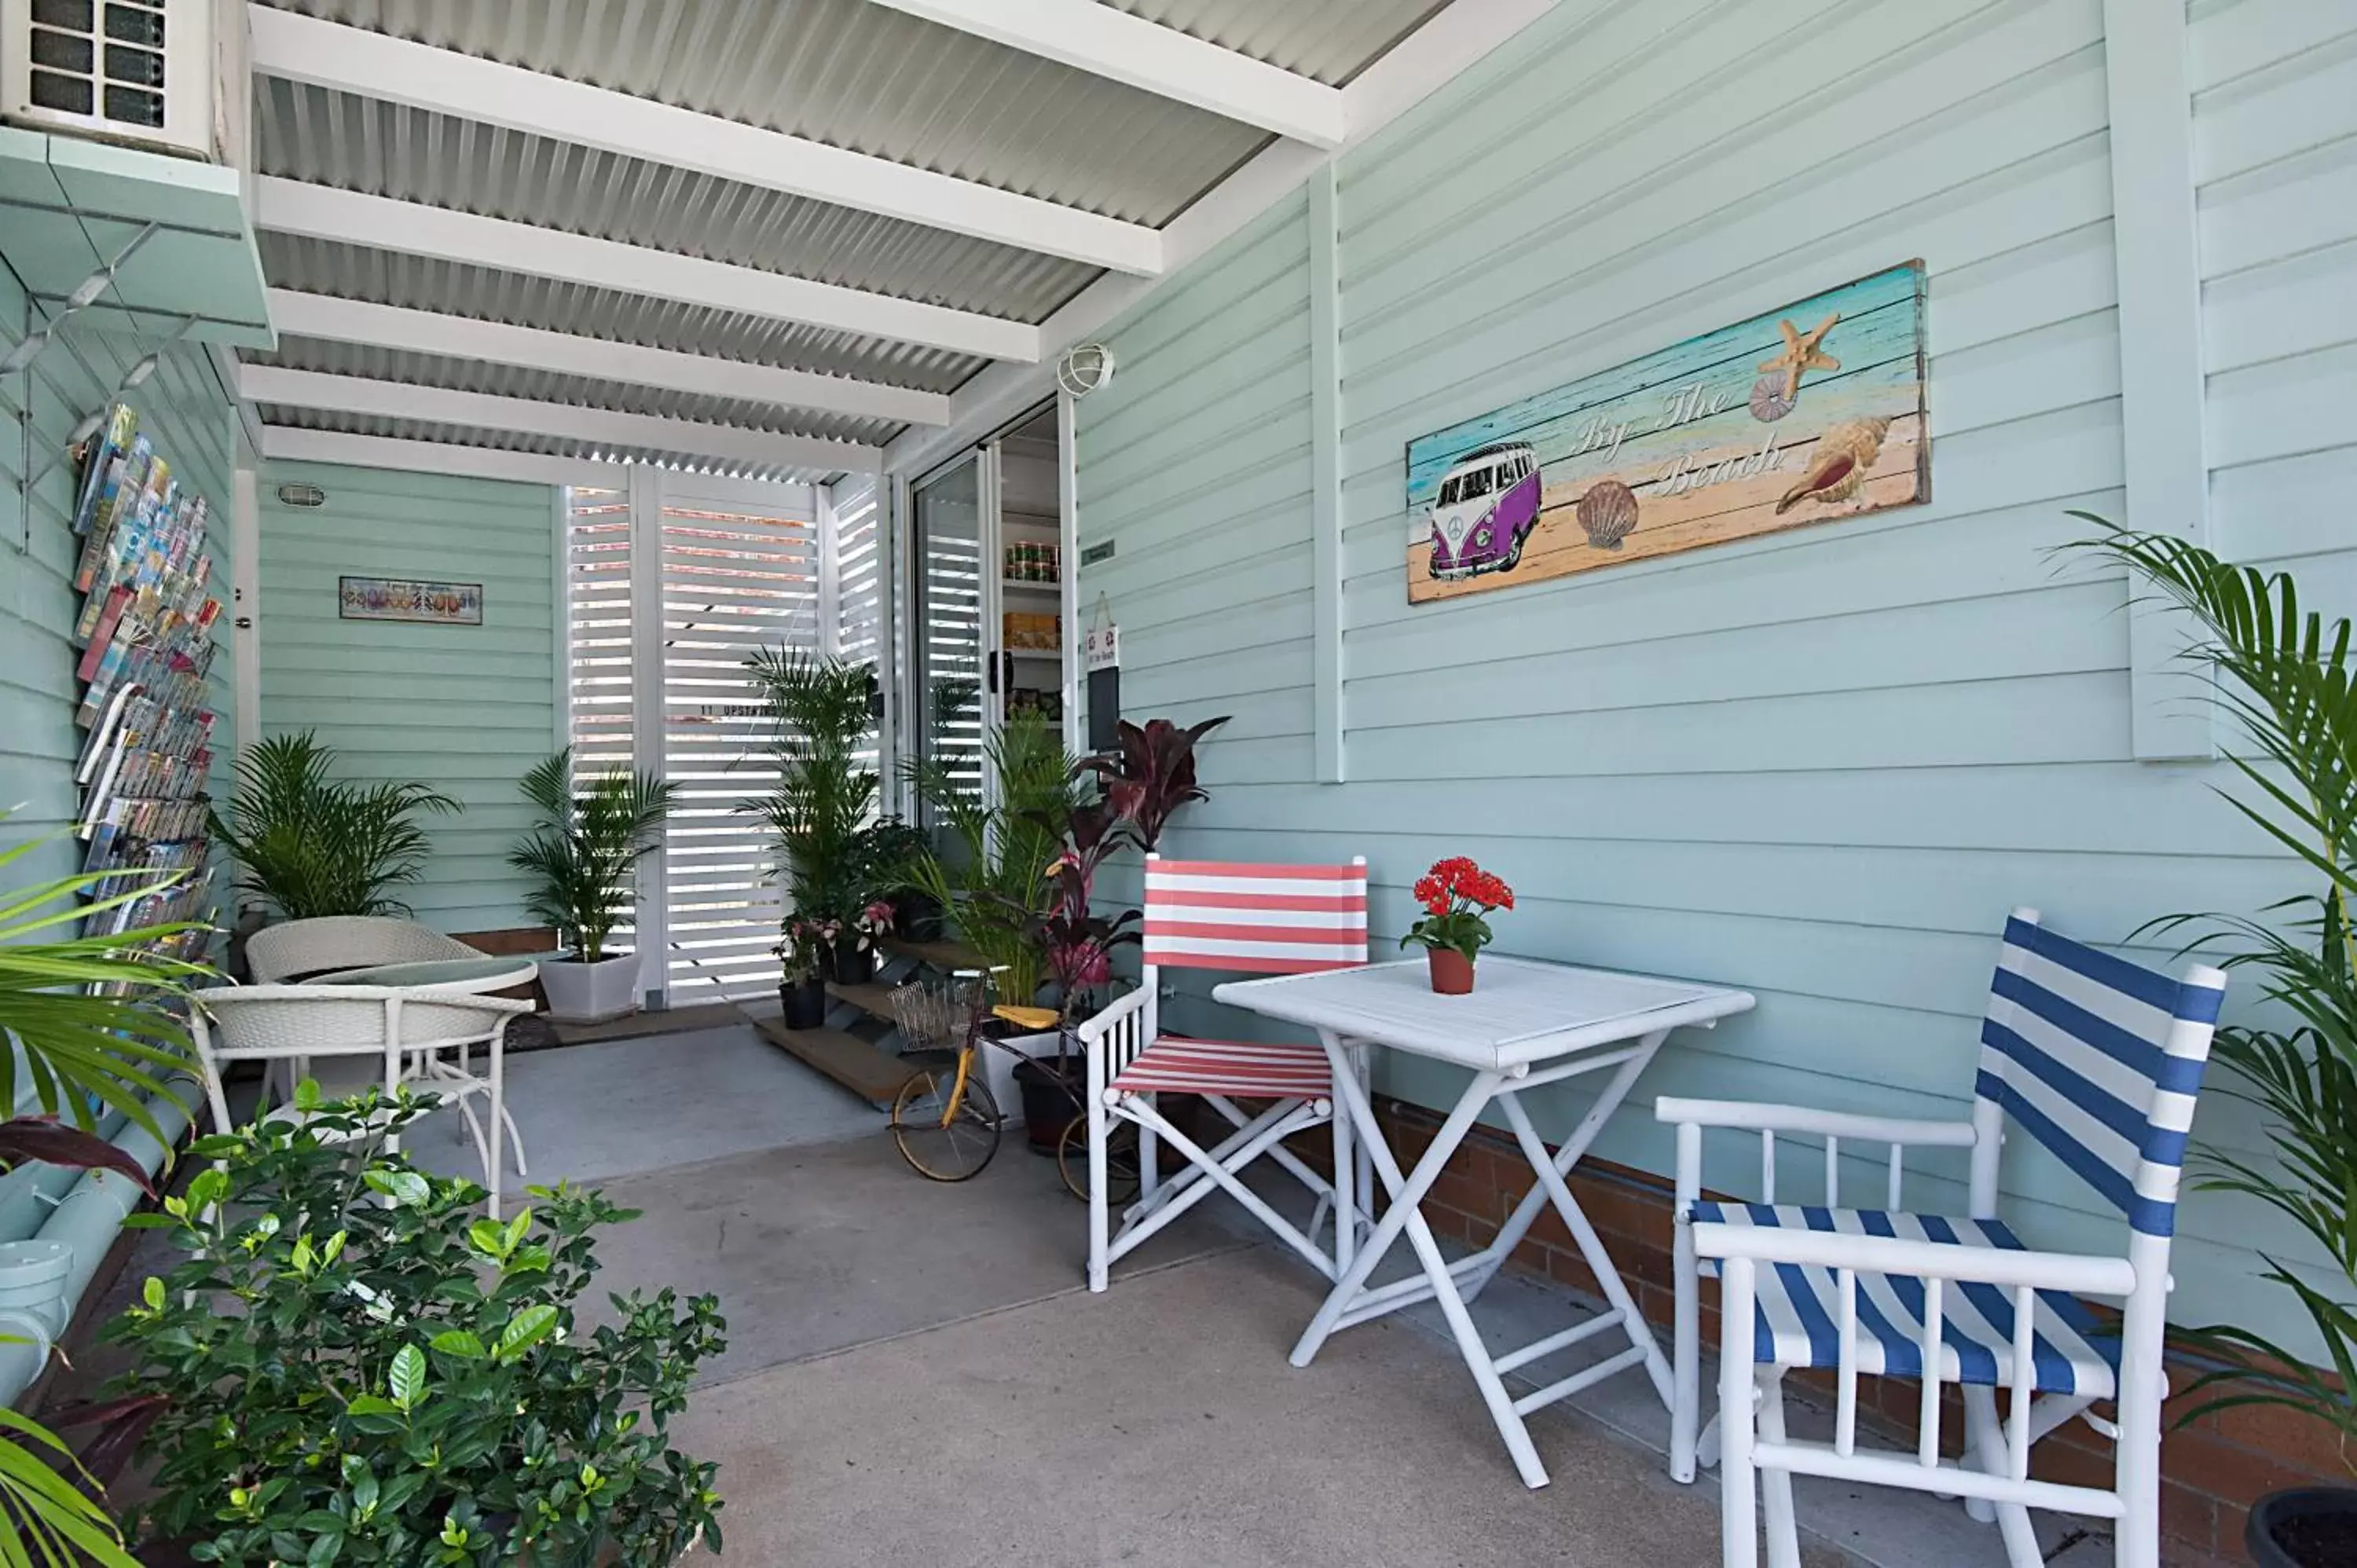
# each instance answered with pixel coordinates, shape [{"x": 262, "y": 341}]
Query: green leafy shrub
[
  {"x": 358, "y": 1367},
  {"x": 585, "y": 844},
  {"x": 310, "y": 846}
]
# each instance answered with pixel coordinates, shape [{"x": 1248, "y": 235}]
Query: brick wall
[{"x": 2212, "y": 1471}]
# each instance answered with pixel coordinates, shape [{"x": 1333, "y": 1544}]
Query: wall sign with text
[
  {"x": 397, "y": 598},
  {"x": 1798, "y": 415}
]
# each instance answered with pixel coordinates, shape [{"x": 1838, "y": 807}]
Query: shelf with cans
[{"x": 145, "y": 640}]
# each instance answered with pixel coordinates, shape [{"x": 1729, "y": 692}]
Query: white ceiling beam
[
  {"x": 1158, "y": 59},
  {"x": 353, "y": 60},
  {"x": 275, "y": 385},
  {"x": 352, "y": 218},
  {"x": 1427, "y": 59},
  {"x": 333, "y": 320},
  {"x": 282, "y": 444}
]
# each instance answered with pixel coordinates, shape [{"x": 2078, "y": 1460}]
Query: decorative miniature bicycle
[{"x": 945, "y": 1122}]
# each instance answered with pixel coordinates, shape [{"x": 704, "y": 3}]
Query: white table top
[{"x": 1520, "y": 1010}]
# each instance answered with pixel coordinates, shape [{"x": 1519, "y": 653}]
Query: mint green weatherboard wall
[
  {"x": 466, "y": 709},
  {"x": 183, "y": 407},
  {"x": 1823, "y": 765}
]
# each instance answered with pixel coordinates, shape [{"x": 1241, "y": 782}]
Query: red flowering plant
[{"x": 1455, "y": 894}]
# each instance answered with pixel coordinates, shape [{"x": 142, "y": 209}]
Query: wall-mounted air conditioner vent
[{"x": 133, "y": 70}]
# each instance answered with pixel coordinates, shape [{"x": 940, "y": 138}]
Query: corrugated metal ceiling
[
  {"x": 1331, "y": 40},
  {"x": 335, "y": 138},
  {"x": 475, "y": 436},
  {"x": 859, "y": 76},
  {"x": 847, "y": 72},
  {"x": 392, "y": 277},
  {"x": 543, "y": 386}
]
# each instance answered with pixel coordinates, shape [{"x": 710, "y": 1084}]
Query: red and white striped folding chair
[{"x": 1221, "y": 915}]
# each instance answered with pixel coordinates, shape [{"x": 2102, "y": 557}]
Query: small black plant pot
[
  {"x": 1050, "y": 1099},
  {"x": 917, "y": 916},
  {"x": 805, "y": 1005},
  {"x": 2305, "y": 1527},
  {"x": 852, "y": 964}
]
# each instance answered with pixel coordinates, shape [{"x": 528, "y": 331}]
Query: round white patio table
[
  {"x": 1526, "y": 1024},
  {"x": 475, "y": 976}
]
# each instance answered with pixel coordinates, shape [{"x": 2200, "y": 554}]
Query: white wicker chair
[
  {"x": 397, "y": 1031},
  {"x": 294, "y": 949}
]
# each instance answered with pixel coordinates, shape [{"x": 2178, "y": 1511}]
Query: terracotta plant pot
[{"x": 1452, "y": 972}]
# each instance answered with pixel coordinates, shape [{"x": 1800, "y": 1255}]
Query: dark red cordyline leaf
[
  {"x": 120, "y": 1426},
  {"x": 50, "y": 1141}
]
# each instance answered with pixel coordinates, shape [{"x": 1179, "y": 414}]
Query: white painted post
[
  {"x": 560, "y": 603},
  {"x": 887, "y": 647},
  {"x": 1326, "y": 475},
  {"x": 246, "y": 594},
  {"x": 2161, "y": 392},
  {"x": 653, "y": 915},
  {"x": 1067, "y": 536},
  {"x": 829, "y": 638}
]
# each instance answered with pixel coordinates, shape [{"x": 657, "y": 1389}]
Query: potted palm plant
[
  {"x": 582, "y": 857},
  {"x": 308, "y": 844},
  {"x": 2287, "y": 679},
  {"x": 88, "y": 1017},
  {"x": 821, "y": 710}
]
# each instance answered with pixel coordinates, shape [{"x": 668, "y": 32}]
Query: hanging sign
[
  {"x": 1101, "y": 657},
  {"x": 1804, "y": 414}
]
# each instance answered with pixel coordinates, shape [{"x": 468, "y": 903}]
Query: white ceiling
[{"x": 849, "y": 210}]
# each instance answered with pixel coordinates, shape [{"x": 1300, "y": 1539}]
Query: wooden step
[
  {"x": 873, "y": 998},
  {"x": 940, "y": 955},
  {"x": 873, "y": 1074}
]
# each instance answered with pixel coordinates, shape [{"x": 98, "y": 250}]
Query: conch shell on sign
[{"x": 1839, "y": 466}]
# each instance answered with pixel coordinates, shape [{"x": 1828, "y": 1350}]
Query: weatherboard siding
[
  {"x": 466, "y": 709},
  {"x": 1821, "y": 764}
]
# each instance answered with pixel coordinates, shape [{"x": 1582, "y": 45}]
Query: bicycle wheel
[
  {"x": 945, "y": 1147},
  {"x": 1121, "y": 1160}
]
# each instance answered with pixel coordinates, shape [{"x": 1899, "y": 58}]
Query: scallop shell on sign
[
  {"x": 1769, "y": 402},
  {"x": 1607, "y": 513},
  {"x": 1837, "y": 470}
]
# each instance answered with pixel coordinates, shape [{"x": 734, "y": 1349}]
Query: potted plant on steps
[
  {"x": 1457, "y": 895},
  {"x": 1079, "y": 943},
  {"x": 356, "y": 1365},
  {"x": 2287, "y": 679},
  {"x": 582, "y": 858},
  {"x": 821, "y": 711},
  {"x": 802, "y": 984}
]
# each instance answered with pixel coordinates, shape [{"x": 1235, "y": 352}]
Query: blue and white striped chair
[{"x": 2098, "y": 1060}]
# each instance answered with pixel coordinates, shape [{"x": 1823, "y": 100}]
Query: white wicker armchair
[
  {"x": 384, "y": 1035},
  {"x": 297, "y": 948}
]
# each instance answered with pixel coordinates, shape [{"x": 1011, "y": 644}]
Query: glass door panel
[{"x": 952, "y": 692}]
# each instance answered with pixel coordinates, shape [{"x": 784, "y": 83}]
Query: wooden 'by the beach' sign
[{"x": 1804, "y": 414}]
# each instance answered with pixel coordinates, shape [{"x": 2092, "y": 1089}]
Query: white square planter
[{"x": 590, "y": 993}]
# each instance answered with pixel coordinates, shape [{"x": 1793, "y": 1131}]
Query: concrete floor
[{"x": 915, "y": 1373}]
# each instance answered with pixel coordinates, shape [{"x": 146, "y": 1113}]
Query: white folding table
[{"x": 1523, "y": 1026}]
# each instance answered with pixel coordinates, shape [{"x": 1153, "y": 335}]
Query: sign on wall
[
  {"x": 394, "y": 598},
  {"x": 1795, "y": 416}
]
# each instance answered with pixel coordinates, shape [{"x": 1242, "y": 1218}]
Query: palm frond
[
  {"x": 310, "y": 845},
  {"x": 2283, "y": 675},
  {"x": 585, "y": 843}
]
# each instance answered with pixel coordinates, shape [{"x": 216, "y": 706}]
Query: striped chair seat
[
  {"x": 1799, "y": 1320},
  {"x": 1259, "y": 1071}
]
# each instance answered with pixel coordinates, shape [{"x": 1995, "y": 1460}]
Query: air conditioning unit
[{"x": 141, "y": 71}]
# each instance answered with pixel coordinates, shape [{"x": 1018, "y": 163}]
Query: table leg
[
  {"x": 1591, "y": 1247},
  {"x": 1346, "y": 1164},
  {"x": 499, "y": 1117},
  {"x": 1575, "y": 1148},
  {"x": 1406, "y": 1192}
]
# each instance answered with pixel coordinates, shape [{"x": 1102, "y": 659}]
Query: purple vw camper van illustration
[{"x": 1484, "y": 511}]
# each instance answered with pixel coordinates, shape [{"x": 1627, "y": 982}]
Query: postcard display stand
[{"x": 146, "y": 641}]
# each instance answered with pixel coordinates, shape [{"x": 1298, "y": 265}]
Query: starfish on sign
[{"x": 1800, "y": 354}]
